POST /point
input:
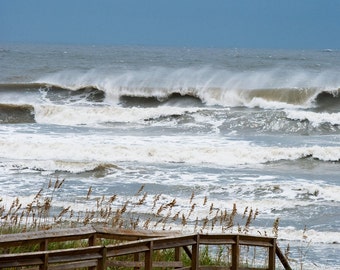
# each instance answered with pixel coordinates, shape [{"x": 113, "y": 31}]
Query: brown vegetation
[{"x": 157, "y": 213}]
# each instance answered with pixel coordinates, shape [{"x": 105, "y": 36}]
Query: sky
[{"x": 286, "y": 24}]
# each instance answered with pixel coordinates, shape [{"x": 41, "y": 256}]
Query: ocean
[{"x": 255, "y": 129}]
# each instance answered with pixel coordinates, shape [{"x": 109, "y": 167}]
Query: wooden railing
[{"x": 141, "y": 246}]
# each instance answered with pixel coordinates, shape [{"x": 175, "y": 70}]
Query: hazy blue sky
[{"x": 199, "y": 23}]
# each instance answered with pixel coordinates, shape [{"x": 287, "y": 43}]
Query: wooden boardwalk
[{"x": 135, "y": 250}]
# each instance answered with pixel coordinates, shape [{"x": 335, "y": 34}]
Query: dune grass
[{"x": 139, "y": 211}]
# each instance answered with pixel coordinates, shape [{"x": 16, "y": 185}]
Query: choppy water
[{"x": 257, "y": 128}]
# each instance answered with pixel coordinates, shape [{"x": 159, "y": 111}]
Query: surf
[
  {"x": 276, "y": 87},
  {"x": 16, "y": 113},
  {"x": 298, "y": 97}
]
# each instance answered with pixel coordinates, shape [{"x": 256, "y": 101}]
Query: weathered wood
[
  {"x": 57, "y": 235},
  {"x": 92, "y": 240},
  {"x": 178, "y": 256},
  {"x": 130, "y": 264},
  {"x": 126, "y": 249},
  {"x": 45, "y": 258},
  {"x": 136, "y": 258},
  {"x": 148, "y": 256},
  {"x": 114, "y": 263},
  {"x": 259, "y": 241},
  {"x": 282, "y": 258},
  {"x": 195, "y": 262},
  {"x": 125, "y": 234},
  {"x": 271, "y": 256},
  {"x": 170, "y": 242},
  {"x": 74, "y": 265},
  {"x": 102, "y": 261},
  {"x": 20, "y": 262},
  {"x": 84, "y": 233},
  {"x": 21, "y": 259},
  {"x": 188, "y": 252},
  {"x": 216, "y": 268},
  {"x": 235, "y": 254},
  {"x": 101, "y": 257}
]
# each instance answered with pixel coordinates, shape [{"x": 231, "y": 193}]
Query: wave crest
[{"x": 14, "y": 113}]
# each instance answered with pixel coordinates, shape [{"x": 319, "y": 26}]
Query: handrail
[
  {"x": 100, "y": 257},
  {"x": 82, "y": 233}
]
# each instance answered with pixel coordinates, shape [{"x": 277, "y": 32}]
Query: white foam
[
  {"x": 188, "y": 150},
  {"x": 315, "y": 118},
  {"x": 265, "y": 104},
  {"x": 293, "y": 234},
  {"x": 92, "y": 115},
  {"x": 212, "y": 86}
]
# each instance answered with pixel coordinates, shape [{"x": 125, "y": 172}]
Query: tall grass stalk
[{"x": 139, "y": 211}]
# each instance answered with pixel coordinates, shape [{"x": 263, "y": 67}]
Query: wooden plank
[
  {"x": 21, "y": 262},
  {"x": 271, "y": 256},
  {"x": 21, "y": 256},
  {"x": 235, "y": 253},
  {"x": 126, "y": 249},
  {"x": 251, "y": 240},
  {"x": 217, "y": 237},
  {"x": 74, "y": 258},
  {"x": 188, "y": 252},
  {"x": 74, "y": 265},
  {"x": 92, "y": 240},
  {"x": 125, "y": 234},
  {"x": 208, "y": 241},
  {"x": 55, "y": 257},
  {"x": 251, "y": 268},
  {"x": 177, "y": 254},
  {"x": 282, "y": 258},
  {"x": 195, "y": 262},
  {"x": 212, "y": 267},
  {"x": 167, "y": 242},
  {"x": 74, "y": 254},
  {"x": 148, "y": 256},
  {"x": 131, "y": 264},
  {"x": 45, "y": 264},
  {"x": 172, "y": 264},
  {"x": 102, "y": 260},
  {"x": 55, "y": 235},
  {"x": 153, "y": 240},
  {"x": 255, "y": 243},
  {"x": 142, "y": 245},
  {"x": 44, "y": 245}
]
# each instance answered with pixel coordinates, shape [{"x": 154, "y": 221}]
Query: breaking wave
[
  {"x": 146, "y": 96},
  {"x": 276, "y": 87},
  {"x": 13, "y": 113}
]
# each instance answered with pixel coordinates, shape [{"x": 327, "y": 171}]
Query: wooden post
[
  {"x": 101, "y": 265},
  {"x": 92, "y": 242},
  {"x": 177, "y": 254},
  {"x": 148, "y": 256},
  {"x": 195, "y": 263},
  {"x": 136, "y": 258},
  {"x": 235, "y": 253},
  {"x": 44, "y": 245},
  {"x": 188, "y": 252},
  {"x": 271, "y": 256},
  {"x": 282, "y": 258},
  {"x": 44, "y": 266}
]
